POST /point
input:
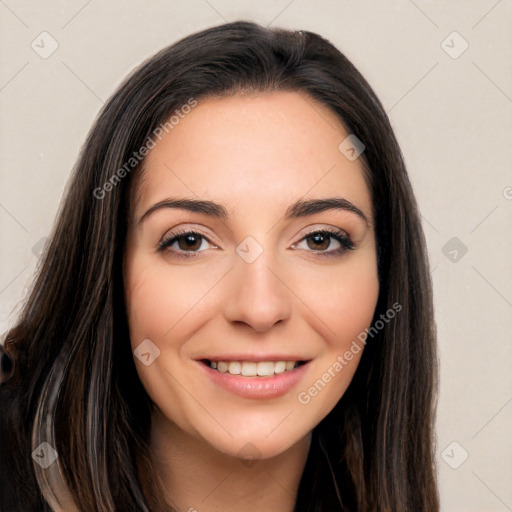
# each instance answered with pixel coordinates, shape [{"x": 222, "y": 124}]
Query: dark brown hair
[{"x": 74, "y": 382}]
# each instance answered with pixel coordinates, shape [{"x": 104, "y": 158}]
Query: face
[{"x": 244, "y": 301}]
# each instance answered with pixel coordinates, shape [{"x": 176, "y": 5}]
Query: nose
[{"x": 258, "y": 295}]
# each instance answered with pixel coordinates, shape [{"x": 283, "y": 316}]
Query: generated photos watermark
[
  {"x": 304, "y": 397},
  {"x": 149, "y": 144}
]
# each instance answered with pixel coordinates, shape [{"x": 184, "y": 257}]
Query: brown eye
[
  {"x": 187, "y": 243},
  {"x": 320, "y": 241}
]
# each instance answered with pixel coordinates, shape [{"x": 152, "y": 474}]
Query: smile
[
  {"x": 255, "y": 379},
  {"x": 253, "y": 368}
]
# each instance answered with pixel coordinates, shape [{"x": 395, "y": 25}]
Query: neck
[{"x": 196, "y": 477}]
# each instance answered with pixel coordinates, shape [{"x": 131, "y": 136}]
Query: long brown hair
[{"x": 74, "y": 383}]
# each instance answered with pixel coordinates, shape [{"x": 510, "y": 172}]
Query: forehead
[{"x": 254, "y": 148}]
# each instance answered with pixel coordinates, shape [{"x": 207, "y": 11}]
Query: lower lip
[{"x": 257, "y": 387}]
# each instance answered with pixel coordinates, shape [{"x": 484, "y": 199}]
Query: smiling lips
[{"x": 255, "y": 379}]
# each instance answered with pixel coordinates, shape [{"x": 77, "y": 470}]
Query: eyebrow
[{"x": 301, "y": 208}]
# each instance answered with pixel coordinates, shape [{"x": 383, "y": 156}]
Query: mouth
[
  {"x": 255, "y": 377},
  {"x": 255, "y": 369}
]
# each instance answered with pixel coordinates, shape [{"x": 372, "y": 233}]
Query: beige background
[{"x": 452, "y": 117}]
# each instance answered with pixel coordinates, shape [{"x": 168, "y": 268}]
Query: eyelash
[{"x": 343, "y": 239}]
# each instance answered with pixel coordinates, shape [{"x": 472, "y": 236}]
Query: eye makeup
[{"x": 318, "y": 236}]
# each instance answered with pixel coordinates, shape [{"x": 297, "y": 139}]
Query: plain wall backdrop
[{"x": 443, "y": 71}]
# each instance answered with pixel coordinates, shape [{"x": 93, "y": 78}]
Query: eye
[
  {"x": 188, "y": 243},
  {"x": 319, "y": 241}
]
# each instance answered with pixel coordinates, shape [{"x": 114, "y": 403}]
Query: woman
[{"x": 234, "y": 311}]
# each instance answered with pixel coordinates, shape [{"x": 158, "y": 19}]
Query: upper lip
[{"x": 253, "y": 357}]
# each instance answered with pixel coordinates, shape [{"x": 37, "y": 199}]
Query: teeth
[
  {"x": 280, "y": 366},
  {"x": 222, "y": 366},
  {"x": 265, "y": 369},
  {"x": 253, "y": 369},
  {"x": 249, "y": 369},
  {"x": 235, "y": 368}
]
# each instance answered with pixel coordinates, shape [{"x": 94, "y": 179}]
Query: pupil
[
  {"x": 190, "y": 241},
  {"x": 318, "y": 238}
]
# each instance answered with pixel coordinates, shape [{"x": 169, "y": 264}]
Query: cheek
[
  {"x": 148, "y": 307},
  {"x": 159, "y": 298},
  {"x": 161, "y": 303},
  {"x": 353, "y": 305},
  {"x": 343, "y": 300},
  {"x": 345, "y": 307}
]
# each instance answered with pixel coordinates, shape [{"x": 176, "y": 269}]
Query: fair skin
[{"x": 302, "y": 298}]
